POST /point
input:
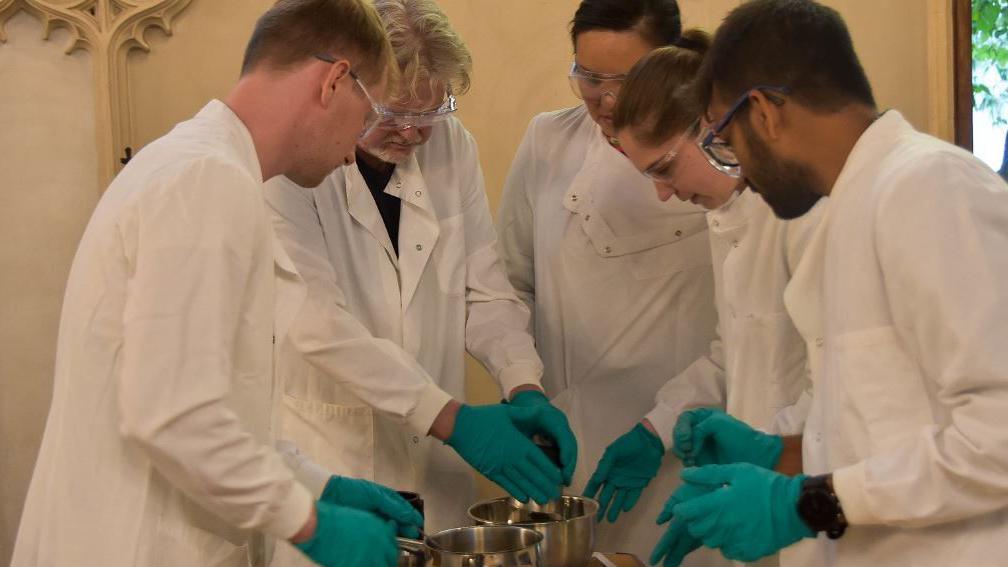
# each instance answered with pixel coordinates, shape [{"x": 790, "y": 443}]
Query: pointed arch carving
[{"x": 109, "y": 30}]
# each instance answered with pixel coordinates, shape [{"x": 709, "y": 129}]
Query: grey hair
[{"x": 425, "y": 45}]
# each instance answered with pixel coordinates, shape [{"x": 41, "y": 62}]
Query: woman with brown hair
[{"x": 756, "y": 369}]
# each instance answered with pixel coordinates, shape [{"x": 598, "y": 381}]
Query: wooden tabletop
[{"x": 617, "y": 559}]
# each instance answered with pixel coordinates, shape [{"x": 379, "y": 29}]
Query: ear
[
  {"x": 331, "y": 81},
  {"x": 765, "y": 116}
]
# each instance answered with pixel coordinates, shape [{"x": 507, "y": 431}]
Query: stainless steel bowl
[
  {"x": 475, "y": 546},
  {"x": 567, "y": 525}
]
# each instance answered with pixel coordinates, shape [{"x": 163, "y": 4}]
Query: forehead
[
  {"x": 610, "y": 52},
  {"x": 425, "y": 96}
]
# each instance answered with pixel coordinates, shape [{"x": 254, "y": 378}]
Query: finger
[
  {"x": 555, "y": 424},
  {"x": 665, "y": 544},
  {"x": 550, "y": 474},
  {"x": 682, "y": 436},
  {"x": 397, "y": 508},
  {"x": 527, "y": 476},
  {"x": 711, "y": 475},
  {"x": 633, "y": 495},
  {"x": 617, "y": 506},
  {"x": 693, "y": 510},
  {"x": 409, "y": 531},
  {"x": 598, "y": 477},
  {"x": 682, "y": 547},
  {"x": 666, "y": 513},
  {"x": 511, "y": 488},
  {"x": 605, "y": 499}
]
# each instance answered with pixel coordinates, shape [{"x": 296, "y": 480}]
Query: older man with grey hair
[{"x": 400, "y": 256}]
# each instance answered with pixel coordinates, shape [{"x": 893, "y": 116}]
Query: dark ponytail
[{"x": 657, "y": 21}]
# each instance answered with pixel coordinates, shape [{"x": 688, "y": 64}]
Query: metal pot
[
  {"x": 474, "y": 546},
  {"x": 567, "y": 525}
]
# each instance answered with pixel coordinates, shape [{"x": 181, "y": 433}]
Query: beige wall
[
  {"x": 47, "y": 190},
  {"x": 521, "y": 52}
]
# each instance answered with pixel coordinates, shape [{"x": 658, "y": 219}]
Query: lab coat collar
[
  {"x": 877, "y": 141},
  {"x": 419, "y": 228},
  {"x": 418, "y": 223},
  {"x": 734, "y": 215},
  {"x": 241, "y": 139}
]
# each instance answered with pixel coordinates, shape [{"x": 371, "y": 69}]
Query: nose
[
  {"x": 410, "y": 133},
  {"x": 608, "y": 100}
]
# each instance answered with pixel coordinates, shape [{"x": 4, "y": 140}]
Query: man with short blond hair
[{"x": 158, "y": 450}]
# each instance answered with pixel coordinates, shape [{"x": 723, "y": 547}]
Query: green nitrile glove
[
  {"x": 345, "y": 537},
  {"x": 751, "y": 513},
  {"x": 375, "y": 498},
  {"x": 492, "y": 439},
  {"x": 711, "y": 437},
  {"x": 676, "y": 543},
  {"x": 626, "y": 467},
  {"x": 554, "y": 425}
]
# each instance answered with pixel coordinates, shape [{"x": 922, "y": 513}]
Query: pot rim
[{"x": 590, "y": 510}]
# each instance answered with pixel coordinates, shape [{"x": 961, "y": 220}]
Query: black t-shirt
[{"x": 388, "y": 205}]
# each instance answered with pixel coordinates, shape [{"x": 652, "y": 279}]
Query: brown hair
[
  {"x": 657, "y": 100},
  {"x": 293, "y": 31}
]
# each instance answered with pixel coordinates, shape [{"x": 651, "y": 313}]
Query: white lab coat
[
  {"x": 757, "y": 368},
  {"x": 621, "y": 289},
  {"x": 379, "y": 349},
  {"x": 156, "y": 450},
  {"x": 903, "y": 292}
]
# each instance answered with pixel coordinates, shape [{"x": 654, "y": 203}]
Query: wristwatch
[{"x": 819, "y": 507}]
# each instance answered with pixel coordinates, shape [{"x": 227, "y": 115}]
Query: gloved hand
[
  {"x": 494, "y": 440},
  {"x": 375, "y": 498},
  {"x": 553, "y": 420},
  {"x": 345, "y": 537},
  {"x": 751, "y": 513},
  {"x": 676, "y": 543},
  {"x": 711, "y": 437},
  {"x": 627, "y": 466}
]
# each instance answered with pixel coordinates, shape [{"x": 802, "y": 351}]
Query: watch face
[{"x": 817, "y": 508}]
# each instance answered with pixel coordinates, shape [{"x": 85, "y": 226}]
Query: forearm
[{"x": 790, "y": 462}]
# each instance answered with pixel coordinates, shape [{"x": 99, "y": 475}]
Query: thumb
[
  {"x": 710, "y": 475},
  {"x": 599, "y": 476}
]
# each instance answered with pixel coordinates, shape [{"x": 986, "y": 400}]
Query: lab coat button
[
  {"x": 419, "y": 247},
  {"x": 819, "y": 342},
  {"x": 678, "y": 233},
  {"x": 587, "y": 217},
  {"x": 416, "y": 440},
  {"x": 574, "y": 197},
  {"x": 419, "y": 193},
  {"x": 734, "y": 243},
  {"x": 398, "y": 185},
  {"x": 607, "y": 250},
  {"x": 716, "y": 224}
]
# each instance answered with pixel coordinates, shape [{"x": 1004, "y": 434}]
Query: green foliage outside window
[{"x": 990, "y": 58}]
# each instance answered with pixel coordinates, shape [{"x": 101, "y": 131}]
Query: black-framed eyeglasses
[{"x": 718, "y": 152}]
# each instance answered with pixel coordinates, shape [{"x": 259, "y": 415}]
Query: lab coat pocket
[
  {"x": 339, "y": 438},
  {"x": 884, "y": 394},
  {"x": 450, "y": 256},
  {"x": 181, "y": 541}
]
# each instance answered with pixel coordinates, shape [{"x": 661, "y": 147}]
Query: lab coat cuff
[
  {"x": 292, "y": 513},
  {"x": 849, "y": 487},
  {"x": 432, "y": 400},
  {"x": 313, "y": 476},
  {"x": 519, "y": 375},
  {"x": 663, "y": 419}
]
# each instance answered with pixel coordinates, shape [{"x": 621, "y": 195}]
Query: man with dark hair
[
  {"x": 158, "y": 448},
  {"x": 901, "y": 292}
]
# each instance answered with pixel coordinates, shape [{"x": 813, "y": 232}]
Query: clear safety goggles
[
  {"x": 592, "y": 87},
  {"x": 389, "y": 120},
  {"x": 664, "y": 169}
]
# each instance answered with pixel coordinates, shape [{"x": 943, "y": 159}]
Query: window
[{"x": 982, "y": 80}]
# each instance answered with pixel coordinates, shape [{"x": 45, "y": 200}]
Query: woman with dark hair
[{"x": 620, "y": 286}]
